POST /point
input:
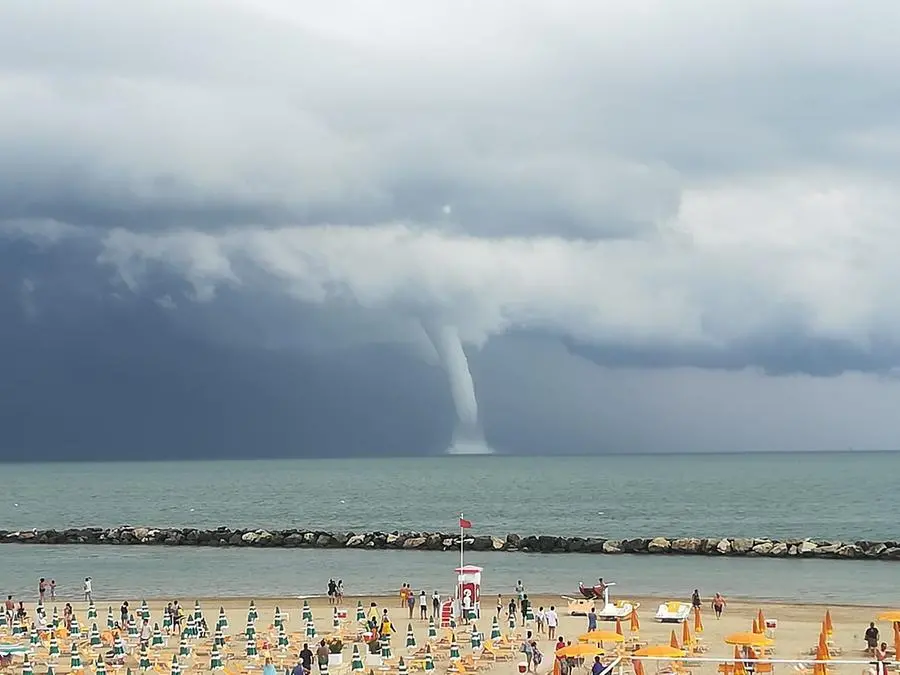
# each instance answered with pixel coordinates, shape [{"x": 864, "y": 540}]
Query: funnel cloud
[{"x": 468, "y": 436}]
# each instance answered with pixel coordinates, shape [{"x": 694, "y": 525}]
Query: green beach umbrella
[
  {"x": 144, "y": 611},
  {"x": 307, "y": 612},
  {"x": 49, "y": 670},
  {"x": 360, "y": 612},
  {"x": 176, "y": 667},
  {"x": 110, "y": 621},
  {"x": 92, "y": 611},
  {"x": 144, "y": 661},
  {"x": 401, "y": 667},
  {"x": 3, "y": 622},
  {"x": 75, "y": 660},
  {"x": 310, "y": 629},
  {"x": 335, "y": 619},
  {"x": 157, "y": 640},
  {"x": 251, "y": 652},
  {"x": 219, "y": 639},
  {"x": 75, "y": 628},
  {"x": 26, "y": 667},
  {"x": 215, "y": 659},
  {"x": 94, "y": 636},
  {"x": 55, "y": 616},
  {"x": 252, "y": 614},
  {"x": 222, "y": 621},
  {"x": 529, "y": 614},
  {"x": 277, "y": 620},
  {"x": 167, "y": 621},
  {"x": 475, "y": 639},
  {"x": 198, "y": 613},
  {"x": 429, "y": 661},
  {"x": 54, "y": 645},
  {"x": 512, "y": 622},
  {"x": 17, "y": 628},
  {"x": 452, "y": 623},
  {"x": 283, "y": 642},
  {"x": 432, "y": 630},
  {"x": 454, "y": 648},
  {"x": 495, "y": 629},
  {"x": 99, "y": 666},
  {"x": 385, "y": 649},
  {"x": 323, "y": 668},
  {"x": 410, "y": 637},
  {"x": 33, "y": 638},
  {"x": 132, "y": 627},
  {"x": 184, "y": 648},
  {"x": 356, "y": 662},
  {"x": 118, "y": 646},
  {"x": 250, "y": 631},
  {"x": 188, "y": 631}
]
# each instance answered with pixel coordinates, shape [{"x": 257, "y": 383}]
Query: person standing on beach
[
  {"x": 718, "y": 605},
  {"x": 592, "y": 620},
  {"x": 411, "y": 603},
  {"x": 332, "y": 591},
  {"x": 523, "y": 607},
  {"x": 339, "y": 592},
  {"x": 42, "y": 589},
  {"x": 499, "y": 605},
  {"x": 552, "y": 622},
  {"x": 404, "y": 592},
  {"x": 322, "y": 656},
  {"x": 88, "y": 588},
  {"x": 540, "y": 617},
  {"x": 696, "y": 602},
  {"x": 306, "y": 657},
  {"x": 520, "y": 590},
  {"x": 423, "y": 605},
  {"x": 511, "y": 610},
  {"x": 871, "y": 639},
  {"x": 435, "y": 604},
  {"x": 53, "y": 589}
]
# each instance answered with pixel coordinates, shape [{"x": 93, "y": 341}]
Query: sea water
[{"x": 824, "y": 496}]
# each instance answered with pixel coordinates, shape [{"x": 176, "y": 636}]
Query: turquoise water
[{"x": 827, "y": 496}]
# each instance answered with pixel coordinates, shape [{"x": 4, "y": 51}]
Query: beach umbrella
[
  {"x": 698, "y": 621},
  {"x": 277, "y": 621},
  {"x": 222, "y": 622},
  {"x": 761, "y": 620},
  {"x": 118, "y": 646},
  {"x": 99, "y": 666},
  {"x": 579, "y": 650},
  {"x": 512, "y": 621},
  {"x": 356, "y": 662},
  {"x": 176, "y": 667},
  {"x": 157, "y": 640},
  {"x": 33, "y": 638},
  {"x": 410, "y": 637},
  {"x": 283, "y": 642},
  {"x": 310, "y": 629},
  {"x": 53, "y": 650},
  {"x": 144, "y": 661},
  {"x": 26, "y": 667},
  {"x": 219, "y": 639},
  {"x": 755, "y": 627},
  {"x": 307, "y": 612},
  {"x": 49, "y": 670},
  {"x": 132, "y": 626},
  {"x": 144, "y": 611},
  {"x": 110, "y": 621},
  {"x": 251, "y": 651},
  {"x": 17, "y": 628},
  {"x": 529, "y": 614},
  {"x": 92, "y": 611},
  {"x": 360, "y": 612},
  {"x": 432, "y": 630},
  {"x": 335, "y": 619},
  {"x": 75, "y": 660},
  {"x": 3, "y": 622},
  {"x": 635, "y": 622},
  {"x": 252, "y": 614},
  {"x": 167, "y": 621},
  {"x": 55, "y": 616},
  {"x": 475, "y": 638},
  {"x": 829, "y": 627},
  {"x": 454, "y": 648},
  {"x": 74, "y": 627},
  {"x": 323, "y": 668},
  {"x": 386, "y": 649},
  {"x": 94, "y": 636},
  {"x": 660, "y": 651},
  {"x": 495, "y": 629},
  {"x": 250, "y": 631},
  {"x": 198, "y": 613},
  {"x": 673, "y": 641},
  {"x": 748, "y": 640},
  {"x": 215, "y": 659},
  {"x": 401, "y": 667},
  {"x": 188, "y": 631},
  {"x": 686, "y": 638},
  {"x": 184, "y": 648},
  {"x": 429, "y": 662},
  {"x": 598, "y": 636},
  {"x": 896, "y": 638}
]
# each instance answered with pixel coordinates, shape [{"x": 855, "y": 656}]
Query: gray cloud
[{"x": 710, "y": 187}]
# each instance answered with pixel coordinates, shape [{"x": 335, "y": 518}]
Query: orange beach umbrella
[
  {"x": 761, "y": 620},
  {"x": 755, "y": 628},
  {"x": 698, "y": 621},
  {"x": 619, "y": 626},
  {"x": 829, "y": 627},
  {"x": 579, "y": 650},
  {"x": 892, "y": 615},
  {"x": 896, "y": 638},
  {"x": 660, "y": 651},
  {"x": 738, "y": 662},
  {"x": 686, "y": 634},
  {"x": 638, "y": 667},
  {"x": 601, "y": 636},
  {"x": 635, "y": 622},
  {"x": 673, "y": 641},
  {"x": 748, "y": 640}
]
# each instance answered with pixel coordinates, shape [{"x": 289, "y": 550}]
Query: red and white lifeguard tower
[{"x": 468, "y": 595}]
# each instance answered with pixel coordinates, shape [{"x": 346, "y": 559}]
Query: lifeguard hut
[{"x": 468, "y": 595}]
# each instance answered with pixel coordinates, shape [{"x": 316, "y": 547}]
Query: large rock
[
  {"x": 414, "y": 542},
  {"x": 612, "y": 546},
  {"x": 659, "y": 545},
  {"x": 724, "y": 547},
  {"x": 741, "y": 546},
  {"x": 806, "y": 548},
  {"x": 763, "y": 548},
  {"x": 497, "y": 544}
]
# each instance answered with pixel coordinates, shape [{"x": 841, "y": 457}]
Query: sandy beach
[{"x": 797, "y": 630}]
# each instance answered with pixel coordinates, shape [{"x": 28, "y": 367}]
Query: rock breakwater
[{"x": 438, "y": 541}]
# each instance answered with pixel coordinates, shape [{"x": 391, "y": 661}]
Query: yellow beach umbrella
[
  {"x": 579, "y": 650},
  {"x": 601, "y": 636},
  {"x": 748, "y": 640},
  {"x": 698, "y": 621},
  {"x": 660, "y": 651},
  {"x": 892, "y": 615}
]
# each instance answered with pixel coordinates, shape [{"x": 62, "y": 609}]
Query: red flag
[{"x": 465, "y": 524}]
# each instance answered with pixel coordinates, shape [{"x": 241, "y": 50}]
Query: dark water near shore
[{"x": 826, "y": 496}]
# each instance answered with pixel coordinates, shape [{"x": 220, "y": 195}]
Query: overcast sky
[{"x": 655, "y": 225}]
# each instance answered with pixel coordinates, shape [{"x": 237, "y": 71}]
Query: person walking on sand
[
  {"x": 540, "y": 618},
  {"x": 718, "y": 605},
  {"x": 528, "y": 650},
  {"x": 552, "y": 622},
  {"x": 88, "y": 589},
  {"x": 871, "y": 639},
  {"x": 499, "y": 605},
  {"x": 696, "y": 603},
  {"x": 423, "y": 605}
]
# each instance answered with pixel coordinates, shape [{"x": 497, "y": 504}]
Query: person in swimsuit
[
  {"x": 881, "y": 657},
  {"x": 718, "y": 605}
]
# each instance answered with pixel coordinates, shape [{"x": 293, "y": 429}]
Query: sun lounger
[{"x": 673, "y": 612}]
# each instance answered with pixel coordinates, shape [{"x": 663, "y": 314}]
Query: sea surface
[{"x": 819, "y": 495}]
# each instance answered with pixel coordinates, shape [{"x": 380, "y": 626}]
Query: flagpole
[{"x": 461, "y": 542}]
